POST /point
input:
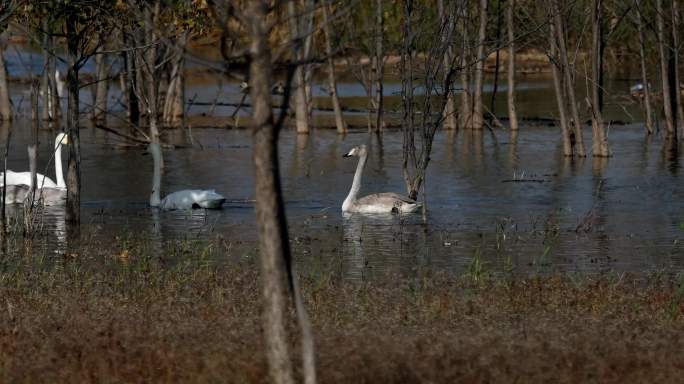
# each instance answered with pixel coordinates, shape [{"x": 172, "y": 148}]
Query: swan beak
[
  {"x": 346, "y": 155},
  {"x": 65, "y": 140}
]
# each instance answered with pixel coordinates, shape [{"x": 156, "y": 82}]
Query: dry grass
[{"x": 131, "y": 318}]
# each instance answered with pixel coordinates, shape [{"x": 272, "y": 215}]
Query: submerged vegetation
[{"x": 135, "y": 313}]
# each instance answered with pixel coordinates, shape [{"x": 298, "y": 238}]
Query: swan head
[
  {"x": 359, "y": 150},
  {"x": 61, "y": 139}
]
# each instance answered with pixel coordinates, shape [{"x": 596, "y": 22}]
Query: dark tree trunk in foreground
[
  {"x": 5, "y": 105},
  {"x": 477, "y": 118},
  {"x": 567, "y": 72},
  {"x": 599, "y": 145},
  {"x": 644, "y": 78},
  {"x": 558, "y": 86},
  {"x": 332, "y": 81},
  {"x": 73, "y": 179},
  {"x": 667, "y": 100},
  {"x": 512, "y": 114},
  {"x": 276, "y": 260}
]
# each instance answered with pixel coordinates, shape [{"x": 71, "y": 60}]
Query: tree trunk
[
  {"x": 599, "y": 145},
  {"x": 102, "y": 85},
  {"x": 568, "y": 78},
  {"x": 308, "y": 22},
  {"x": 477, "y": 118},
  {"x": 332, "y": 82},
  {"x": 558, "y": 86},
  {"x": 667, "y": 101},
  {"x": 644, "y": 79},
  {"x": 271, "y": 225},
  {"x": 299, "y": 86},
  {"x": 45, "y": 86},
  {"x": 466, "y": 96},
  {"x": 497, "y": 65},
  {"x": 675, "y": 58},
  {"x": 5, "y": 105},
  {"x": 73, "y": 179},
  {"x": 178, "y": 103},
  {"x": 512, "y": 114},
  {"x": 378, "y": 64},
  {"x": 449, "y": 115},
  {"x": 152, "y": 72},
  {"x": 132, "y": 105}
]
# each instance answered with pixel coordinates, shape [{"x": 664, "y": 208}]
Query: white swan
[
  {"x": 377, "y": 202},
  {"x": 17, "y": 194},
  {"x": 18, "y": 178},
  {"x": 185, "y": 199}
]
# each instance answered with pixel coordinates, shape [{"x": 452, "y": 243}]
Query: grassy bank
[{"x": 133, "y": 318}]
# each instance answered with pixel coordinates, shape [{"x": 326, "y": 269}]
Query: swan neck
[
  {"x": 58, "y": 163},
  {"x": 356, "y": 184},
  {"x": 156, "y": 175}
]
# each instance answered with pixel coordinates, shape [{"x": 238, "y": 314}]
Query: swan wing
[
  {"x": 191, "y": 198},
  {"x": 386, "y": 202},
  {"x": 17, "y": 178}
]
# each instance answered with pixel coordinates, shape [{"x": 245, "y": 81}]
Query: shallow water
[{"x": 620, "y": 214}]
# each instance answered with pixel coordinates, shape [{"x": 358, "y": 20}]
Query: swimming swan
[
  {"x": 19, "y": 178},
  {"x": 377, "y": 202},
  {"x": 185, "y": 199}
]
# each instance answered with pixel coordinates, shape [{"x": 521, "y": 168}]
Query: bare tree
[
  {"x": 567, "y": 72},
  {"x": 644, "y": 78},
  {"x": 300, "y": 100},
  {"x": 510, "y": 22},
  {"x": 5, "y": 105},
  {"x": 478, "y": 118},
  {"x": 421, "y": 119},
  {"x": 667, "y": 96},
  {"x": 379, "y": 64},
  {"x": 332, "y": 81},
  {"x": 599, "y": 140},
  {"x": 559, "y": 90},
  {"x": 450, "y": 117},
  {"x": 675, "y": 63},
  {"x": 101, "y": 82},
  {"x": 466, "y": 69},
  {"x": 276, "y": 259}
]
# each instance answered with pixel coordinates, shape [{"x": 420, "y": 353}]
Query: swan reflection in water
[{"x": 381, "y": 245}]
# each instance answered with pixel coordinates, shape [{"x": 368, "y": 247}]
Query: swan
[
  {"x": 18, "y": 193},
  {"x": 17, "y": 178},
  {"x": 185, "y": 199},
  {"x": 377, "y": 202}
]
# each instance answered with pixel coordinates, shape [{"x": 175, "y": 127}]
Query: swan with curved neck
[
  {"x": 185, "y": 199},
  {"x": 378, "y": 202},
  {"x": 17, "y": 178}
]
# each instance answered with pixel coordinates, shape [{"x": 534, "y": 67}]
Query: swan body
[
  {"x": 18, "y": 178},
  {"x": 378, "y": 202},
  {"x": 185, "y": 199},
  {"x": 17, "y": 194}
]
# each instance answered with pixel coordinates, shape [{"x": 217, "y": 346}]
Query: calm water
[{"x": 622, "y": 214}]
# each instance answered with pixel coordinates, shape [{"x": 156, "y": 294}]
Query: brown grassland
[{"x": 120, "y": 315}]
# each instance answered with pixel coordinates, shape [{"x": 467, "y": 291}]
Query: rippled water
[{"x": 622, "y": 214}]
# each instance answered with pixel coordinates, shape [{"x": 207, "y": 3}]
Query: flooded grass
[{"x": 120, "y": 314}]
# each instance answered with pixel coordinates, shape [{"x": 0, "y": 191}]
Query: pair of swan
[
  {"x": 185, "y": 199},
  {"x": 378, "y": 202},
  {"x": 48, "y": 191}
]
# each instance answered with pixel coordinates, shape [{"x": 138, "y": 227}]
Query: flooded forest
[{"x": 341, "y": 191}]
